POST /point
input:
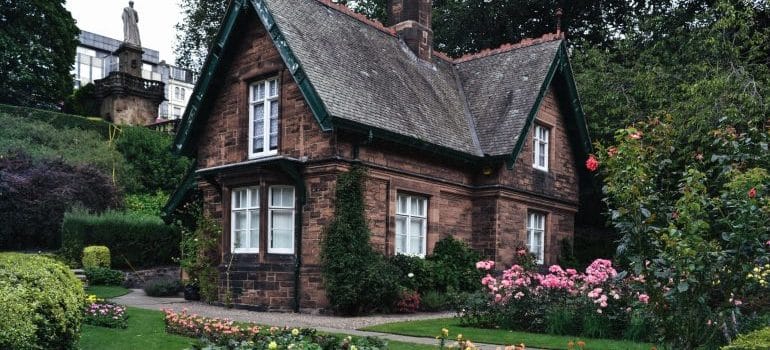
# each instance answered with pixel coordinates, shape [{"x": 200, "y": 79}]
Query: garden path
[{"x": 323, "y": 323}]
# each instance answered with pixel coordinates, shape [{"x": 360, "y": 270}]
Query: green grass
[
  {"x": 432, "y": 328},
  {"x": 107, "y": 292},
  {"x": 146, "y": 331},
  {"x": 397, "y": 345}
]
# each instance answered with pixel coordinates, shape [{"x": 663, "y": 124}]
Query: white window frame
[
  {"x": 408, "y": 216},
  {"x": 540, "y": 137},
  {"x": 536, "y": 223},
  {"x": 250, "y": 210},
  {"x": 266, "y": 101},
  {"x": 271, "y": 209}
]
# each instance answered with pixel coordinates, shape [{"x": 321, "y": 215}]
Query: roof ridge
[
  {"x": 526, "y": 42},
  {"x": 355, "y": 15}
]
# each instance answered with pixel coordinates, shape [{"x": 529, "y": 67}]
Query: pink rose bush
[{"x": 525, "y": 299}]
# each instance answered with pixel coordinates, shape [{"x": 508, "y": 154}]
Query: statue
[{"x": 130, "y": 28}]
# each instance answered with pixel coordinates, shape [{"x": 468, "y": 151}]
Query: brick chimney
[{"x": 411, "y": 20}]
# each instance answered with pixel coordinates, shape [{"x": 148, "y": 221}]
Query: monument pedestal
[{"x": 130, "y": 59}]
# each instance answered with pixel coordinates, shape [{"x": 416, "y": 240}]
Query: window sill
[
  {"x": 539, "y": 168},
  {"x": 263, "y": 154},
  {"x": 281, "y": 251},
  {"x": 242, "y": 251}
]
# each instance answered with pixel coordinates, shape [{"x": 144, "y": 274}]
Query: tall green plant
[{"x": 356, "y": 278}]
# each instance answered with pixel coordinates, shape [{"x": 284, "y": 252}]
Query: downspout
[{"x": 298, "y": 250}]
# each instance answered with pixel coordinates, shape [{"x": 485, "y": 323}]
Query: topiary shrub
[
  {"x": 96, "y": 256},
  {"x": 100, "y": 276},
  {"x": 134, "y": 240},
  {"x": 162, "y": 287},
  {"x": 454, "y": 266},
  {"x": 356, "y": 278},
  {"x": 34, "y": 195},
  {"x": 756, "y": 340},
  {"x": 42, "y": 303}
]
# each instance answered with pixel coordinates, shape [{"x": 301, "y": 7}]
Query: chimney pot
[{"x": 411, "y": 19}]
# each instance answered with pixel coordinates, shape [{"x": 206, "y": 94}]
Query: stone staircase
[{"x": 81, "y": 275}]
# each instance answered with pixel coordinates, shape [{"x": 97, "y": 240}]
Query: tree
[
  {"x": 37, "y": 51},
  {"x": 197, "y": 31}
]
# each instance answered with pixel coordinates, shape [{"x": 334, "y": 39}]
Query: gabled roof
[{"x": 354, "y": 73}]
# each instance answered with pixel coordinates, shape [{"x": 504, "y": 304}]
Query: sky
[{"x": 156, "y": 21}]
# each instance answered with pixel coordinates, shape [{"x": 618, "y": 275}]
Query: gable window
[
  {"x": 263, "y": 118},
  {"x": 281, "y": 220},
  {"x": 411, "y": 224},
  {"x": 244, "y": 222},
  {"x": 540, "y": 141},
  {"x": 536, "y": 235}
]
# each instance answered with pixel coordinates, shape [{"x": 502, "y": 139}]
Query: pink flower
[
  {"x": 752, "y": 192},
  {"x": 612, "y": 151},
  {"x": 644, "y": 298},
  {"x": 592, "y": 163},
  {"x": 636, "y": 135}
]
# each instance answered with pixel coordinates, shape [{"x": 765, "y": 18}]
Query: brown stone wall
[
  {"x": 129, "y": 110},
  {"x": 561, "y": 180}
]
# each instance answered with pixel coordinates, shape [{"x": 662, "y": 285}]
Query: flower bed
[
  {"x": 216, "y": 333},
  {"x": 104, "y": 314},
  {"x": 597, "y": 303}
]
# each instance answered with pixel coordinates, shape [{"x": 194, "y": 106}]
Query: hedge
[
  {"x": 143, "y": 241},
  {"x": 41, "y": 301},
  {"x": 756, "y": 340},
  {"x": 60, "y": 120},
  {"x": 96, "y": 256}
]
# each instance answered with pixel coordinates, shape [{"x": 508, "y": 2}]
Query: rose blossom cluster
[
  {"x": 193, "y": 325},
  {"x": 597, "y": 283}
]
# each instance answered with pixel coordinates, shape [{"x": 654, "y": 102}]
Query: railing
[
  {"x": 168, "y": 126},
  {"x": 127, "y": 83}
]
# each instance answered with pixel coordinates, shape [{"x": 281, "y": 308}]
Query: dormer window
[
  {"x": 263, "y": 118},
  {"x": 540, "y": 143}
]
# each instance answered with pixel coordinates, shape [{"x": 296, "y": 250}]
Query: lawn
[
  {"x": 146, "y": 331},
  {"x": 432, "y": 328},
  {"x": 107, "y": 292}
]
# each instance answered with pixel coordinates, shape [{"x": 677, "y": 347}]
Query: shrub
[
  {"x": 104, "y": 314},
  {"x": 454, "y": 265},
  {"x": 58, "y": 120},
  {"x": 96, "y": 256},
  {"x": 146, "y": 204},
  {"x": 560, "y": 320},
  {"x": 356, "y": 278},
  {"x": 162, "y": 287},
  {"x": 134, "y": 240},
  {"x": 433, "y": 301},
  {"x": 100, "y": 276},
  {"x": 36, "y": 194},
  {"x": 199, "y": 253},
  {"x": 41, "y": 301},
  {"x": 147, "y": 153},
  {"x": 756, "y": 340},
  {"x": 415, "y": 273},
  {"x": 408, "y": 302}
]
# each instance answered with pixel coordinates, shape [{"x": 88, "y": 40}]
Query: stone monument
[{"x": 126, "y": 97}]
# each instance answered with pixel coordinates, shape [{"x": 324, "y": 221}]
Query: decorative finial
[{"x": 559, "y": 13}]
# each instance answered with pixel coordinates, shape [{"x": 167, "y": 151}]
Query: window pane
[
  {"x": 254, "y": 197},
  {"x": 237, "y": 239},
  {"x": 273, "y": 88},
  {"x": 274, "y": 109},
  {"x": 254, "y": 229},
  {"x": 240, "y": 221},
  {"x": 401, "y": 234},
  {"x": 260, "y": 91},
  {"x": 282, "y": 229},
  {"x": 401, "y": 207},
  {"x": 415, "y": 227},
  {"x": 288, "y": 197},
  {"x": 415, "y": 245},
  {"x": 259, "y": 119},
  {"x": 236, "y": 199}
]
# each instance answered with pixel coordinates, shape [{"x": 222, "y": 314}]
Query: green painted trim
[
  {"x": 199, "y": 95},
  {"x": 320, "y": 112},
  {"x": 374, "y": 132},
  {"x": 560, "y": 64},
  {"x": 188, "y": 182}
]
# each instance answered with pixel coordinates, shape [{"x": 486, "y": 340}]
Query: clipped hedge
[
  {"x": 101, "y": 276},
  {"x": 60, "y": 120},
  {"x": 96, "y": 256},
  {"x": 144, "y": 241},
  {"x": 41, "y": 301},
  {"x": 756, "y": 340}
]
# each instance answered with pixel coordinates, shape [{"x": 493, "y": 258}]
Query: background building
[{"x": 95, "y": 59}]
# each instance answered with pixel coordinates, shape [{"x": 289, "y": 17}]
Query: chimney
[{"x": 411, "y": 20}]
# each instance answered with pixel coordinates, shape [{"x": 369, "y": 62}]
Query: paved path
[{"x": 323, "y": 323}]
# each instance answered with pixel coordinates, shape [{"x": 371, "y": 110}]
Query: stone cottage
[{"x": 487, "y": 147}]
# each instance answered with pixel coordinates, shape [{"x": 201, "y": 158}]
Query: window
[
  {"x": 176, "y": 93},
  {"x": 183, "y": 93},
  {"x": 177, "y": 113},
  {"x": 244, "y": 226},
  {"x": 281, "y": 220},
  {"x": 411, "y": 224},
  {"x": 541, "y": 148},
  {"x": 536, "y": 235},
  {"x": 263, "y": 118}
]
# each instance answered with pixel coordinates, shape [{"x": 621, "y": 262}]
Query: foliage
[
  {"x": 37, "y": 51},
  {"x": 134, "y": 240},
  {"x": 34, "y": 196},
  {"x": 356, "y": 278},
  {"x": 199, "y": 253},
  {"x": 41, "y": 301},
  {"x": 162, "y": 287},
  {"x": 454, "y": 265},
  {"x": 414, "y": 273},
  {"x": 197, "y": 31},
  {"x": 433, "y": 301},
  {"x": 83, "y": 101},
  {"x": 759, "y": 339},
  {"x": 225, "y": 334},
  {"x": 146, "y": 203},
  {"x": 96, "y": 256},
  {"x": 59, "y": 120},
  {"x": 151, "y": 162},
  {"x": 101, "y": 276},
  {"x": 408, "y": 302},
  {"x": 100, "y": 313},
  {"x": 145, "y": 331}
]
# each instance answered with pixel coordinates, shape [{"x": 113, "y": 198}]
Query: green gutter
[{"x": 320, "y": 112}]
